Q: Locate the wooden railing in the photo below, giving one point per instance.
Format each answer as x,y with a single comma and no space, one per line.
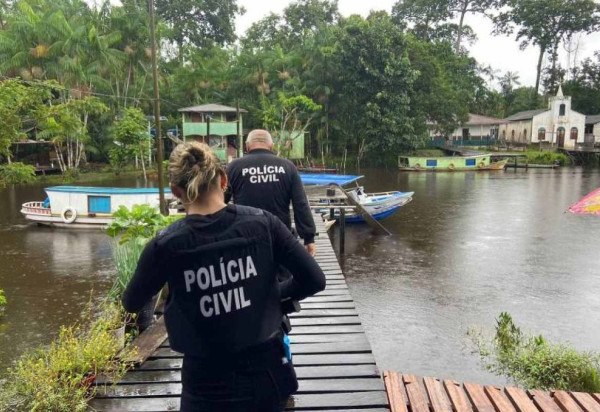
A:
35,207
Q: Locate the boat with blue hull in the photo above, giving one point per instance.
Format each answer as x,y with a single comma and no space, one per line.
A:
379,205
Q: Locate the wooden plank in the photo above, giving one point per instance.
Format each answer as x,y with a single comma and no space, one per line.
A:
499,400
417,398
586,401
318,329
303,372
457,396
300,401
308,313
340,337
393,383
566,402
361,346
147,342
338,298
338,320
327,305
309,359
543,401
520,399
437,395
305,386
478,397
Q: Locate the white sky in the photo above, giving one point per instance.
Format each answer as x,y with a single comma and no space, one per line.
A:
500,52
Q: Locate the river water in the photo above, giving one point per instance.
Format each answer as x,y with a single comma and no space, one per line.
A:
468,247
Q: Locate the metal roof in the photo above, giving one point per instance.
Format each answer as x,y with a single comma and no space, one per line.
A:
477,120
593,119
528,114
211,108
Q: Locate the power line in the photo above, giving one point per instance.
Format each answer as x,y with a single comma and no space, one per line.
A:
66,89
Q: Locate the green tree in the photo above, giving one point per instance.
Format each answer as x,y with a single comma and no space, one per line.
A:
64,123
547,23
17,101
376,86
199,22
131,137
584,86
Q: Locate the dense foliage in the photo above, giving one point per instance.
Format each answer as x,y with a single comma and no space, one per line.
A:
365,86
16,173
60,377
536,363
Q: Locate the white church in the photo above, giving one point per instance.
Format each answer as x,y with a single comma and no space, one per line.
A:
558,125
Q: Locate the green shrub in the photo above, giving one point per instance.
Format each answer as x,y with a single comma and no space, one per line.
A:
17,173
535,363
142,221
126,256
58,378
546,157
2,302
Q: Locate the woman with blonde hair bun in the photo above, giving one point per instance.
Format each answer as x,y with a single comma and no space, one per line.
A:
223,311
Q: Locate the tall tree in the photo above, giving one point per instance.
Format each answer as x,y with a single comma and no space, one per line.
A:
547,23
461,8
376,85
199,22
425,15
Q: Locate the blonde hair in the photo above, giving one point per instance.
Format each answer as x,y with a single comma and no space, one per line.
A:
194,167
259,136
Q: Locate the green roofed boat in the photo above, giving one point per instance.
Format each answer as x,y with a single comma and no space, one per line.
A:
450,163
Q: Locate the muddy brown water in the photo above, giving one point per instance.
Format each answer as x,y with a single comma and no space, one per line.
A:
469,246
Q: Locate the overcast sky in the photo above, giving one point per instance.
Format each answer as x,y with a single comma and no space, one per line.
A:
500,52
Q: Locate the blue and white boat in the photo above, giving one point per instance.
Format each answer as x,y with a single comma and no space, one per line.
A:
86,207
379,205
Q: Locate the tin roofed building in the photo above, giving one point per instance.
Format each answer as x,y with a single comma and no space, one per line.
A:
557,125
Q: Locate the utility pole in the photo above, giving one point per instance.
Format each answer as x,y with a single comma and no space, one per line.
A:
159,145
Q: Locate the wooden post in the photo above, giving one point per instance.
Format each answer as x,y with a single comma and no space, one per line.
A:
240,143
159,145
208,130
331,213
342,230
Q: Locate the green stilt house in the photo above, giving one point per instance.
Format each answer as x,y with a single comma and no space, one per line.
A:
216,125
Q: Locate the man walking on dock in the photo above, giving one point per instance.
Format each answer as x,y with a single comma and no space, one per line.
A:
263,180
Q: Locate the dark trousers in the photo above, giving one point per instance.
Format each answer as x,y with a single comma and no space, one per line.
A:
259,380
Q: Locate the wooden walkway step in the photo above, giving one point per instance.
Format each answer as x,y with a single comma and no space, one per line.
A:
333,359
415,394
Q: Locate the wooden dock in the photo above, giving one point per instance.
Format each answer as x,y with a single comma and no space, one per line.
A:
415,394
333,359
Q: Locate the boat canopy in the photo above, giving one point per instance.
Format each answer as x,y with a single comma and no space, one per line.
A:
96,190
326,179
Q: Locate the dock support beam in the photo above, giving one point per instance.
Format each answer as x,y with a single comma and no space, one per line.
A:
342,231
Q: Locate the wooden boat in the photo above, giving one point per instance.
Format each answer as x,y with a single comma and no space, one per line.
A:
85,207
450,163
379,205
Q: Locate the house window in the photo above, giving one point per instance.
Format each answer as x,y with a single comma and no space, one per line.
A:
562,110
574,133
512,135
525,134
469,162
431,162
541,133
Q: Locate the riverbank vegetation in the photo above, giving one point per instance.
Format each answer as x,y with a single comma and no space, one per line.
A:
534,362
60,377
16,173
365,86
3,302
